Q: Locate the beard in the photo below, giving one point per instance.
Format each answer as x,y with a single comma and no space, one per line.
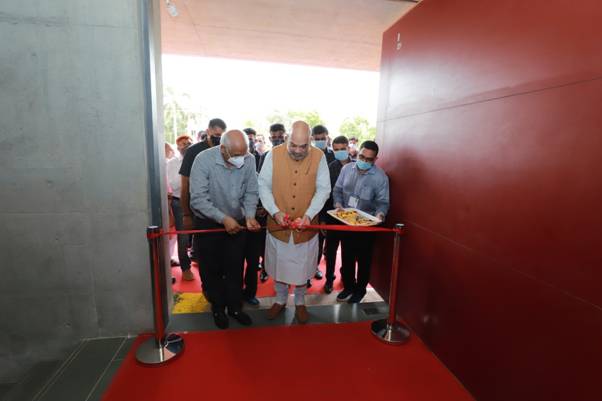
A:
297,156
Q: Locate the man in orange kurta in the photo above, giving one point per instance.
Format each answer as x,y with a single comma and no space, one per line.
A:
294,183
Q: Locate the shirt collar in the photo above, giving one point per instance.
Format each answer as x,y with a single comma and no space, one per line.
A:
219,159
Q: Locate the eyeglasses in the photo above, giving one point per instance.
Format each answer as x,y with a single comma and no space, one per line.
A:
366,159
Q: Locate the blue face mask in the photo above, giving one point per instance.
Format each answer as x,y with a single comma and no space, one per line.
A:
320,144
362,165
341,155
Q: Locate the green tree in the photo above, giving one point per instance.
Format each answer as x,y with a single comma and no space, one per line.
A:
178,114
175,121
358,127
252,124
313,118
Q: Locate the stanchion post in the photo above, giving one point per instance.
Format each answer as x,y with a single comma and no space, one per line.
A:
161,347
389,330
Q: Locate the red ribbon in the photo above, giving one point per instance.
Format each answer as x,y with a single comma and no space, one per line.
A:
290,226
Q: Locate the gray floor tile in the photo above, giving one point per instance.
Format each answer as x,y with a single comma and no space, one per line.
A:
125,348
79,378
105,380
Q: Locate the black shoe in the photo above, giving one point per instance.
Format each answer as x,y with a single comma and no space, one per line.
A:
221,320
357,297
328,287
241,317
308,284
318,275
252,301
263,276
343,295
174,262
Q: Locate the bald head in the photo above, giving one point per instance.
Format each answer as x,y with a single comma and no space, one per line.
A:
235,142
300,132
298,140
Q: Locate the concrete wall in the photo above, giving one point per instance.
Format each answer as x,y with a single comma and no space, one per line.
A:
74,198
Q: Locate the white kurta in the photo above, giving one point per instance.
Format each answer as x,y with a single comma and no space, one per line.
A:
289,262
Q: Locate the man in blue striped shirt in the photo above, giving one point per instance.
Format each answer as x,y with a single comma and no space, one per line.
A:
363,186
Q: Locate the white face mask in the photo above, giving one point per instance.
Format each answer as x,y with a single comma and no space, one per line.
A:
237,161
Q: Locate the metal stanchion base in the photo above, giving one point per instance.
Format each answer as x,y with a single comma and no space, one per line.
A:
149,352
395,334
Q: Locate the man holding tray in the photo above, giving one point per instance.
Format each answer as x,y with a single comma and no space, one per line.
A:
294,184
363,186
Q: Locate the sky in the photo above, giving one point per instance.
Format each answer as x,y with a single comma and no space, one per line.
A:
240,90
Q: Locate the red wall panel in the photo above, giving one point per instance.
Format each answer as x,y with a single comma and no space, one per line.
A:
490,121
460,51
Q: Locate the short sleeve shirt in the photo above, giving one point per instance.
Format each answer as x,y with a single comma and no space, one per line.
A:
191,154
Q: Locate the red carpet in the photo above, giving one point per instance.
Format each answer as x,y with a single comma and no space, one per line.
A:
314,362
263,290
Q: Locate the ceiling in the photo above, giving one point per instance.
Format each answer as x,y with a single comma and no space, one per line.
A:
330,33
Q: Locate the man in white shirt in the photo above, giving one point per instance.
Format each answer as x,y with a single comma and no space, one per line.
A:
175,185
294,184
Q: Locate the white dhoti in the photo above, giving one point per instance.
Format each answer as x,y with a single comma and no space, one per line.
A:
291,263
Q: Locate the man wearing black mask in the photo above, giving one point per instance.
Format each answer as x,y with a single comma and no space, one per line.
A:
214,133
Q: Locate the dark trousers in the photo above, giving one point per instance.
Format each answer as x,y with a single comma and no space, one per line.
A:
252,253
357,248
321,239
221,264
333,239
183,239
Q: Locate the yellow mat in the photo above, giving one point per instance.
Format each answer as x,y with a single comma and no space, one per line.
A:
190,302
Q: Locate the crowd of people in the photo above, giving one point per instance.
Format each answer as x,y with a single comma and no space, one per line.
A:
264,198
